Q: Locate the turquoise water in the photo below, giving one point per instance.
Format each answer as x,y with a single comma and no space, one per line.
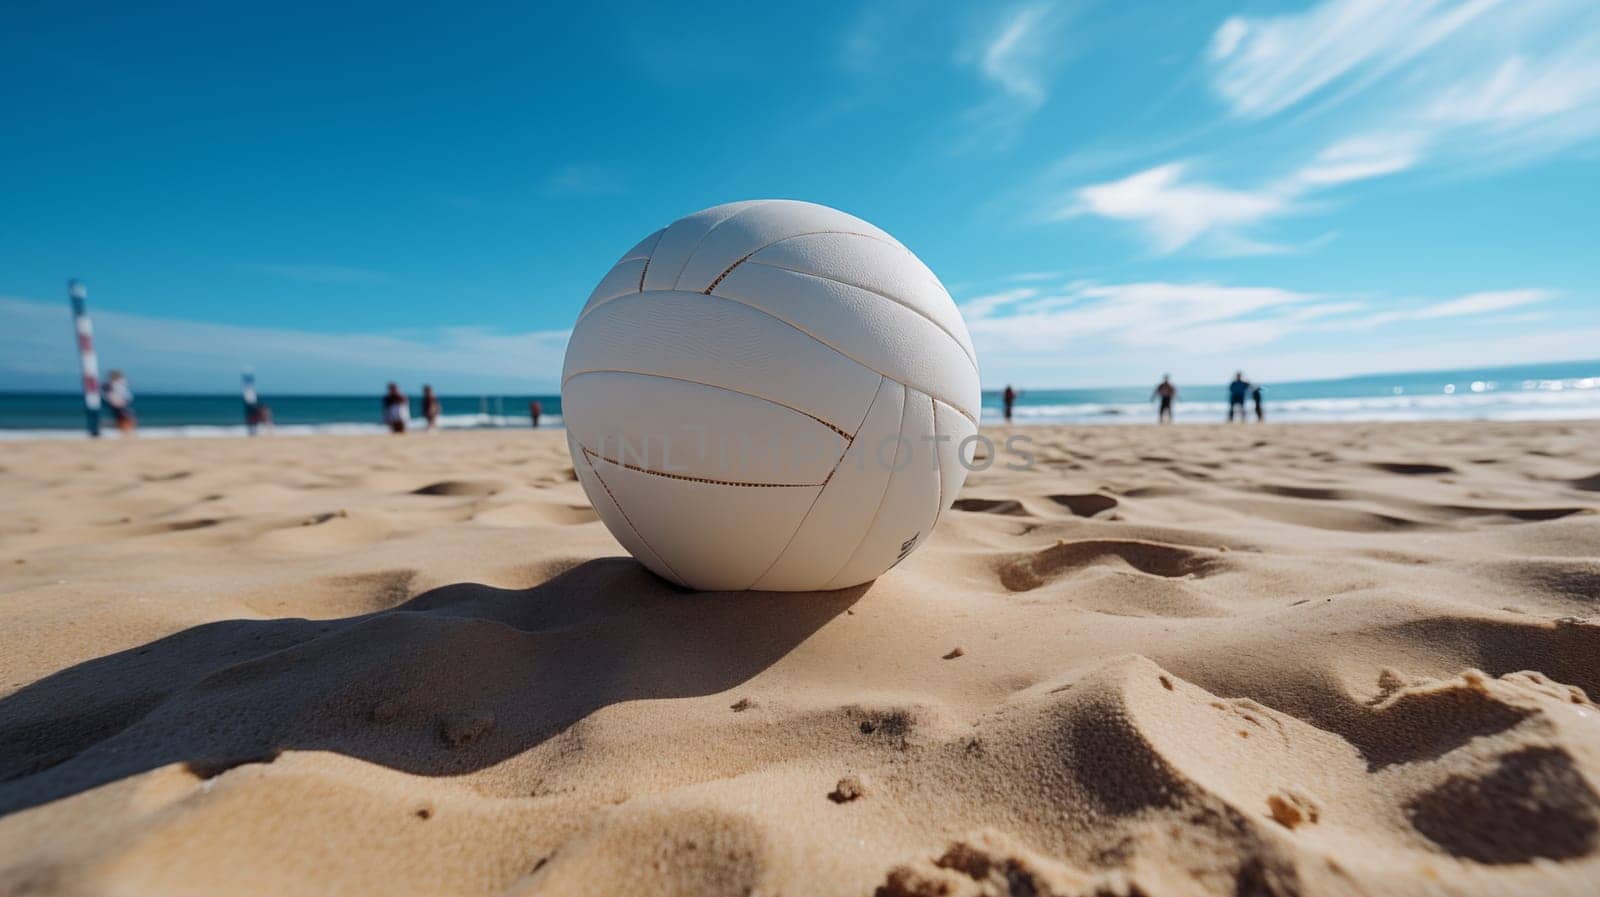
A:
1567,390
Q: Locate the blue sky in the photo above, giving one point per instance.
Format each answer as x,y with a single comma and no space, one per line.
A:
338,195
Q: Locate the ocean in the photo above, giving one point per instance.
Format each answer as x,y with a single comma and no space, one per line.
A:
1564,390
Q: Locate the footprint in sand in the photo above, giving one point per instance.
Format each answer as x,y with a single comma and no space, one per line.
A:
1410,469
459,487
1022,574
1006,506
1086,504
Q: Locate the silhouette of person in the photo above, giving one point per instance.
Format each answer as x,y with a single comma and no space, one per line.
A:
430,407
1255,396
396,409
1166,392
1008,399
534,410
118,397
1237,391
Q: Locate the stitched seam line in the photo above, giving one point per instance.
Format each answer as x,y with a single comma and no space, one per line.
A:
885,296
826,480
576,374
626,519
679,476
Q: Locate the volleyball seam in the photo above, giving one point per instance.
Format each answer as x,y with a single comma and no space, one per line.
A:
739,392
692,479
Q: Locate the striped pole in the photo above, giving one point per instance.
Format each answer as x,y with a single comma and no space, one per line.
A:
86,360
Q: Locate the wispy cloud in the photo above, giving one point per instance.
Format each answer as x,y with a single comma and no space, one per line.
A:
1464,306
1175,210
1265,65
1161,320
1473,83
582,180
1016,60
1134,315
168,353
1359,158
322,274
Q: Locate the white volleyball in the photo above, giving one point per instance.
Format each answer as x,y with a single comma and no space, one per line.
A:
770,395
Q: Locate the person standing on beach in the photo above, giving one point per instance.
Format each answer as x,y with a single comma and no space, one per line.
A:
1255,396
430,407
1237,390
1008,399
396,409
534,410
1166,392
118,398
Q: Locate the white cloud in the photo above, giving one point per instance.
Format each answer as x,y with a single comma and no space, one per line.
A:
1012,59
1095,328
1017,59
1266,65
984,306
1175,211
174,354
1470,82
1359,158
1479,303
1139,315
1472,304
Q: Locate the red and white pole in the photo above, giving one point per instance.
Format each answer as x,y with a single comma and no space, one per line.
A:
86,359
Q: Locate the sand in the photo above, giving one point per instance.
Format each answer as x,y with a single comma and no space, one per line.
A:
1196,660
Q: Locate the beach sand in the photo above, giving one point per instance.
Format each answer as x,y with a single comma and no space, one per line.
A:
1346,659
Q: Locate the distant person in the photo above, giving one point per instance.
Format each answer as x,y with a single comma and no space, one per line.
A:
430,407
1255,396
118,398
534,410
396,409
1008,400
252,402
1166,392
1237,391
258,415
